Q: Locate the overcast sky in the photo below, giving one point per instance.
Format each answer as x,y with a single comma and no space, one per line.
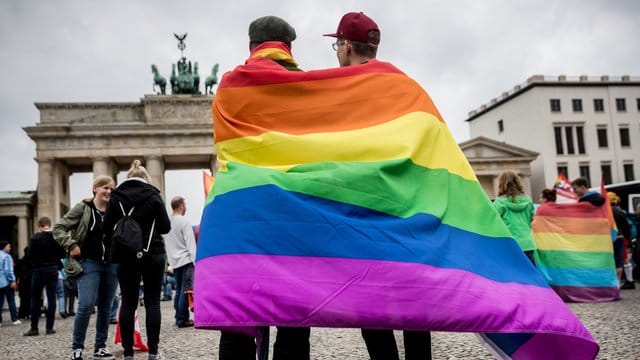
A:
462,52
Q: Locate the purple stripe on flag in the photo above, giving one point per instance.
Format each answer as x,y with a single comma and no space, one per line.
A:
587,293
263,290
553,346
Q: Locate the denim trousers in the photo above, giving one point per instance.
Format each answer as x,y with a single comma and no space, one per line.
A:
11,302
180,301
96,285
46,278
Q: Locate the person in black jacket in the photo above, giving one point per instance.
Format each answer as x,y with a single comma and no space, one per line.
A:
150,213
46,255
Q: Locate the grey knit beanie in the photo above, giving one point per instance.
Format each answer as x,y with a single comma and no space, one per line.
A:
271,28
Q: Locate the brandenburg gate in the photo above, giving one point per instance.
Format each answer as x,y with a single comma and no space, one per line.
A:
166,132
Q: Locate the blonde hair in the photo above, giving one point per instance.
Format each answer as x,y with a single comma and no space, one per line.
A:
509,185
137,170
100,181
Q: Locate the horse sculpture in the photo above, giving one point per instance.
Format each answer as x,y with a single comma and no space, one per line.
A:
211,80
158,80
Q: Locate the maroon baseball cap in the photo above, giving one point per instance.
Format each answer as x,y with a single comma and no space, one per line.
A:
358,27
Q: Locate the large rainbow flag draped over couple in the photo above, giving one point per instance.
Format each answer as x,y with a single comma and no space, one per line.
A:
575,252
344,201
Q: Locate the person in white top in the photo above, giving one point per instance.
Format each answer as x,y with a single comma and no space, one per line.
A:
180,244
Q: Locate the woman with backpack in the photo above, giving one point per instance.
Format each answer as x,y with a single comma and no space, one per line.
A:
134,222
80,232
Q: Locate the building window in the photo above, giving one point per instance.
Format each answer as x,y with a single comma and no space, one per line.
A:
621,104
584,172
555,105
605,169
557,130
598,105
624,137
568,132
563,169
500,126
628,172
580,138
602,138
577,105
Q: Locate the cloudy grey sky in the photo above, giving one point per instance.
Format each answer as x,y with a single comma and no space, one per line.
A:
462,52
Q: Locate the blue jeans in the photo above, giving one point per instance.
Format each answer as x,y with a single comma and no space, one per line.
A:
96,285
60,296
47,279
11,301
180,301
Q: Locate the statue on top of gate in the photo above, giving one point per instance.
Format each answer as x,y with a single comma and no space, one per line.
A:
185,78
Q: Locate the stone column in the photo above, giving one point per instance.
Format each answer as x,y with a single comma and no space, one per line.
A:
105,166
155,167
214,165
62,197
526,185
46,190
496,184
23,234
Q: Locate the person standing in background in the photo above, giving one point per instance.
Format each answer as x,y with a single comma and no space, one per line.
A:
516,210
181,255
46,255
142,201
80,232
8,282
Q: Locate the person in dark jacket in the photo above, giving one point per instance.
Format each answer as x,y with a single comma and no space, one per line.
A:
150,213
24,273
46,255
80,232
619,248
581,188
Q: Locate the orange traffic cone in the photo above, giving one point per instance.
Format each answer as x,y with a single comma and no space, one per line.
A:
137,336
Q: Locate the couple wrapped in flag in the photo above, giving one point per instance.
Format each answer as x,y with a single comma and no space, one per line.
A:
342,200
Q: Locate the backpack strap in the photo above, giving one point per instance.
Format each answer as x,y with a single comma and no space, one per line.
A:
153,225
123,212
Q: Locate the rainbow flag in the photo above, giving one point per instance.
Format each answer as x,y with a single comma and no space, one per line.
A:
343,201
575,253
613,227
207,181
564,190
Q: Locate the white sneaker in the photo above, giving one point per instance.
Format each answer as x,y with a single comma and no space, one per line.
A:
17,322
76,354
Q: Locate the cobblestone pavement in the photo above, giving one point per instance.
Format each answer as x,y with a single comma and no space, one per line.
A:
615,325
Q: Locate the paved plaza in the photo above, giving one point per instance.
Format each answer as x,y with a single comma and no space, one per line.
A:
615,325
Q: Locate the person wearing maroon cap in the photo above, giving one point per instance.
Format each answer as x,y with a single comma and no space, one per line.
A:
358,37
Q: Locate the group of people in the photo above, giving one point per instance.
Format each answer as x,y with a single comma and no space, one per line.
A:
85,233
83,239
517,210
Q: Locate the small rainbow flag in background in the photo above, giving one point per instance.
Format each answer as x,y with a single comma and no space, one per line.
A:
564,190
343,201
575,253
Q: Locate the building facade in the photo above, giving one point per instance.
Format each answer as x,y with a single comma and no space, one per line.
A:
581,126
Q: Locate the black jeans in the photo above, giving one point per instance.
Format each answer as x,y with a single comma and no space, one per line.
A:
381,344
290,344
151,269
43,278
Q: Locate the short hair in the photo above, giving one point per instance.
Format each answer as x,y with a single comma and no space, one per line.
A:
137,170
509,184
100,181
271,28
176,202
581,181
44,222
364,49
549,194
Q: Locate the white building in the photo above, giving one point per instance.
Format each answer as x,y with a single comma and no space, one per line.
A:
580,126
